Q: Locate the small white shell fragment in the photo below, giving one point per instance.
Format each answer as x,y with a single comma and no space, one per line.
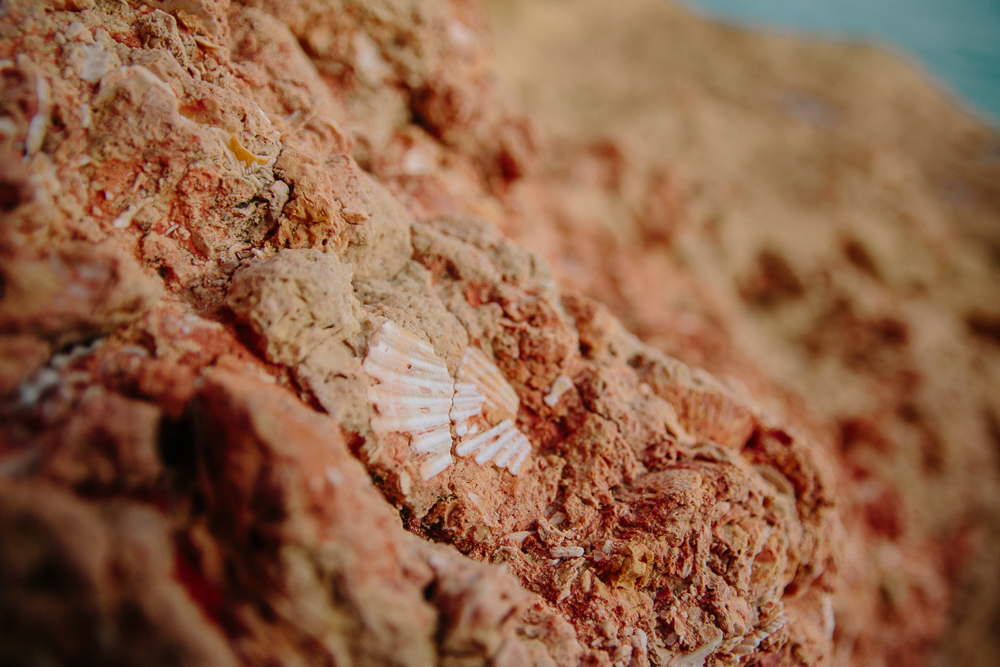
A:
622,656
404,483
503,444
829,619
477,369
566,552
334,476
414,394
520,536
697,657
559,387
125,219
753,640
40,121
74,29
95,62
370,65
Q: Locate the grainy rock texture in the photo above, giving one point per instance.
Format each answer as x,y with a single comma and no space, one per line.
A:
210,211
843,217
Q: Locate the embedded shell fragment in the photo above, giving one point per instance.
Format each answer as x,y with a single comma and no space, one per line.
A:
413,396
477,369
229,224
468,403
503,444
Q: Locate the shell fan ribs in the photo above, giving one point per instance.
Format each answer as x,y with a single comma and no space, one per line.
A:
503,444
413,396
477,369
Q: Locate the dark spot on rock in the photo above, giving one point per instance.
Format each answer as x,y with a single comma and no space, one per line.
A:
984,325
11,195
773,282
891,331
176,444
858,433
859,257
884,515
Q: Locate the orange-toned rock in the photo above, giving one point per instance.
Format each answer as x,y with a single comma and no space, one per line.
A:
216,208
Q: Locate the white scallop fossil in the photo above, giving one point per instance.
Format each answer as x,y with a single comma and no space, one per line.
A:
413,396
468,403
754,639
476,368
503,444
416,395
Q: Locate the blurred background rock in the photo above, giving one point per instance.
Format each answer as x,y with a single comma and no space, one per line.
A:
842,209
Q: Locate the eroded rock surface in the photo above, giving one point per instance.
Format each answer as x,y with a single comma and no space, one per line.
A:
210,210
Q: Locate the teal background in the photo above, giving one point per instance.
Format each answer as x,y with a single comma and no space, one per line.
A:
958,41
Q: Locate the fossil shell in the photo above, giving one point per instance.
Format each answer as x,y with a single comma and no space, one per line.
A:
468,403
476,368
416,395
503,444
754,639
413,396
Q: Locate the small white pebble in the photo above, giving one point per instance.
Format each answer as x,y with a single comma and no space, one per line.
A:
559,387
334,476
125,219
40,121
31,391
96,62
405,483
74,29
622,656
566,552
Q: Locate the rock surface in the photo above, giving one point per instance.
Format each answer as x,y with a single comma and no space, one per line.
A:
209,211
841,214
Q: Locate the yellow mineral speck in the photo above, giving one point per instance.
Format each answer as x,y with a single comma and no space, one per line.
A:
242,154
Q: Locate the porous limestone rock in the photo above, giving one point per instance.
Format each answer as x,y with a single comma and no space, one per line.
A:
214,209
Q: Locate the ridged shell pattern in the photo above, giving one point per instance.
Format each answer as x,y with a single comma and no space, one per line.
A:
413,395
468,403
477,369
754,639
503,444
416,395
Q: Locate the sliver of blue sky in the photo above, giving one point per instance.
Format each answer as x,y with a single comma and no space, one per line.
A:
958,41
